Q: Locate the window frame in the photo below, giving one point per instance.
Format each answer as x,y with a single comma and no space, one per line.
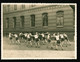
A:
14,24
22,23
7,22
73,18
60,16
15,7
8,8
23,6
31,20
43,21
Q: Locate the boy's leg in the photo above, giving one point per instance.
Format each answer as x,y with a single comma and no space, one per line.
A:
68,42
61,46
38,44
18,41
56,45
31,43
27,43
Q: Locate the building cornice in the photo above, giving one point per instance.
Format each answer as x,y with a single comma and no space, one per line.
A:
28,9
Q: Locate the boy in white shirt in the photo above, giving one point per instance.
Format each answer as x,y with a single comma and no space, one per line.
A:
66,39
58,42
61,37
29,43
11,37
17,39
37,40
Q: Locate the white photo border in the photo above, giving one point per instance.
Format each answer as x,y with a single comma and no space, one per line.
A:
37,57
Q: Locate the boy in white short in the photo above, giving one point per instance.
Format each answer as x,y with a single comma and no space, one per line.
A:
58,42
66,39
16,38
11,37
29,43
37,40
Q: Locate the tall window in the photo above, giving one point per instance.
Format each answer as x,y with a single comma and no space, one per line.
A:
60,18
73,18
8,7
22,21
23,6
32,20
7,22
14,22
15,7
45,19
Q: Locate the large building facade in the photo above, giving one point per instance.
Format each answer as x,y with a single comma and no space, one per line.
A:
28,18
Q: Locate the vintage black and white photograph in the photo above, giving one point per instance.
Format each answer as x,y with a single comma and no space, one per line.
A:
39,30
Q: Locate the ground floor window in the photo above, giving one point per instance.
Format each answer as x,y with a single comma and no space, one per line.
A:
73,18
45,19
14,22
7,22
22,22
60,18
32,20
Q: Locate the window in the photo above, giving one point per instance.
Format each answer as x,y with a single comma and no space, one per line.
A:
14,22
22,21
45,19
7,22
32,20
60,18
33,5
8,7
23,6
15,7
73,18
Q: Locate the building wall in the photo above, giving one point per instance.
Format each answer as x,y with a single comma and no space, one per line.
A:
51,10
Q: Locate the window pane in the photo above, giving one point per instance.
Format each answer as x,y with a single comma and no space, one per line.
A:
23,6
22,21
45,19
14,19
15,7
60,15
73,18
7,23
8,7
32,20
62,21
59,21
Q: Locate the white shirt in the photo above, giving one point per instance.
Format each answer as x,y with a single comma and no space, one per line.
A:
20,33
28,36
61,36
57,37
9,35
36,36
42,35
53,35
48,37
65,35
25,35
16,35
